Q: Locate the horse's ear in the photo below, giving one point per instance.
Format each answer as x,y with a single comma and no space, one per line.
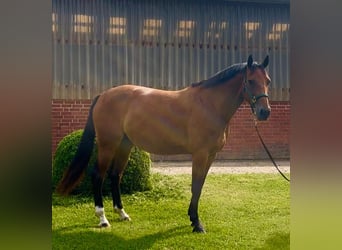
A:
250,61
265,62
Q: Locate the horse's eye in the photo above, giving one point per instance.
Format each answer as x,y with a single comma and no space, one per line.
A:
251,82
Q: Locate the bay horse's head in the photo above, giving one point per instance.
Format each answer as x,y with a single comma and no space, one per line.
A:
256,82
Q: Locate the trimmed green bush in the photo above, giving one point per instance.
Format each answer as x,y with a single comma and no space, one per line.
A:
135,178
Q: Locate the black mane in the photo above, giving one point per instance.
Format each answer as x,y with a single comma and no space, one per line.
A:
223,75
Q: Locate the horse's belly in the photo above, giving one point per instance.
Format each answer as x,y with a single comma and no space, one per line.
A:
157,137
157,145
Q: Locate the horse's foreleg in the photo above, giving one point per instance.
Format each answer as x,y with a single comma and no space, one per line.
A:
98,175
200,166
119,164
196,187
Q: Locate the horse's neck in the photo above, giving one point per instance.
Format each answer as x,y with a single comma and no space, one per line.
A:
227,97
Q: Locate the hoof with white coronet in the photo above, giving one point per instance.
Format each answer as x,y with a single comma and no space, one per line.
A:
99,212
104,224
122,214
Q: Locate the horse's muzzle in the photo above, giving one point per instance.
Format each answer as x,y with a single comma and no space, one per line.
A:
263,114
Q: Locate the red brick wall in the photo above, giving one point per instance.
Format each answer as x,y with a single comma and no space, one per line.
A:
243,143
67,116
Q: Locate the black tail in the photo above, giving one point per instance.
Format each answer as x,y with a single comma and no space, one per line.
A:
75,171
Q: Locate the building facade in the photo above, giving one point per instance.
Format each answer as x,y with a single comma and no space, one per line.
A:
98,44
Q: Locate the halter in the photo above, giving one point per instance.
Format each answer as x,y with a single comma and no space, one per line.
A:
253,98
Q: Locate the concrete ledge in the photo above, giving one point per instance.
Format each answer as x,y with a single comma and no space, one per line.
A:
220,167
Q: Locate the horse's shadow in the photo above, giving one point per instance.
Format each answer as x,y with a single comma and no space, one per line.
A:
106,238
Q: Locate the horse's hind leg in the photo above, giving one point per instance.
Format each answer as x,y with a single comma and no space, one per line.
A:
105,157
119,164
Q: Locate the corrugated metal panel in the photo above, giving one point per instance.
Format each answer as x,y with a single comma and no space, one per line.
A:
163,44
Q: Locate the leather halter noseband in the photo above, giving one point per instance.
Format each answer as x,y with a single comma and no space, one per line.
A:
252,98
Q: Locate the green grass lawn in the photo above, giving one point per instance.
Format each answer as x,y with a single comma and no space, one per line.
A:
245,211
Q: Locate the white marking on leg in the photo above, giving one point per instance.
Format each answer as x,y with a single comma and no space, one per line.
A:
99,212
122,214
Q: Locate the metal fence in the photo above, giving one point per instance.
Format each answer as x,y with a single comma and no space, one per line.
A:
98,44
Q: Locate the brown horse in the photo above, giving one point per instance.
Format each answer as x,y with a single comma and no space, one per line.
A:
194,120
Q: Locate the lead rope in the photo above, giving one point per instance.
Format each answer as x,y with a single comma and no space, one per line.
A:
268,152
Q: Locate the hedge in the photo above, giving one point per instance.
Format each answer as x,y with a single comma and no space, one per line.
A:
135,178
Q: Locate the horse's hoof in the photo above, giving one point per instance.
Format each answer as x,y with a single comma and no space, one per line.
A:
104,225
198,228
125,218
122,214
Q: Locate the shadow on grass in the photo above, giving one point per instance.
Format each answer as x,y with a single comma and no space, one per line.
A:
279,241
108,239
